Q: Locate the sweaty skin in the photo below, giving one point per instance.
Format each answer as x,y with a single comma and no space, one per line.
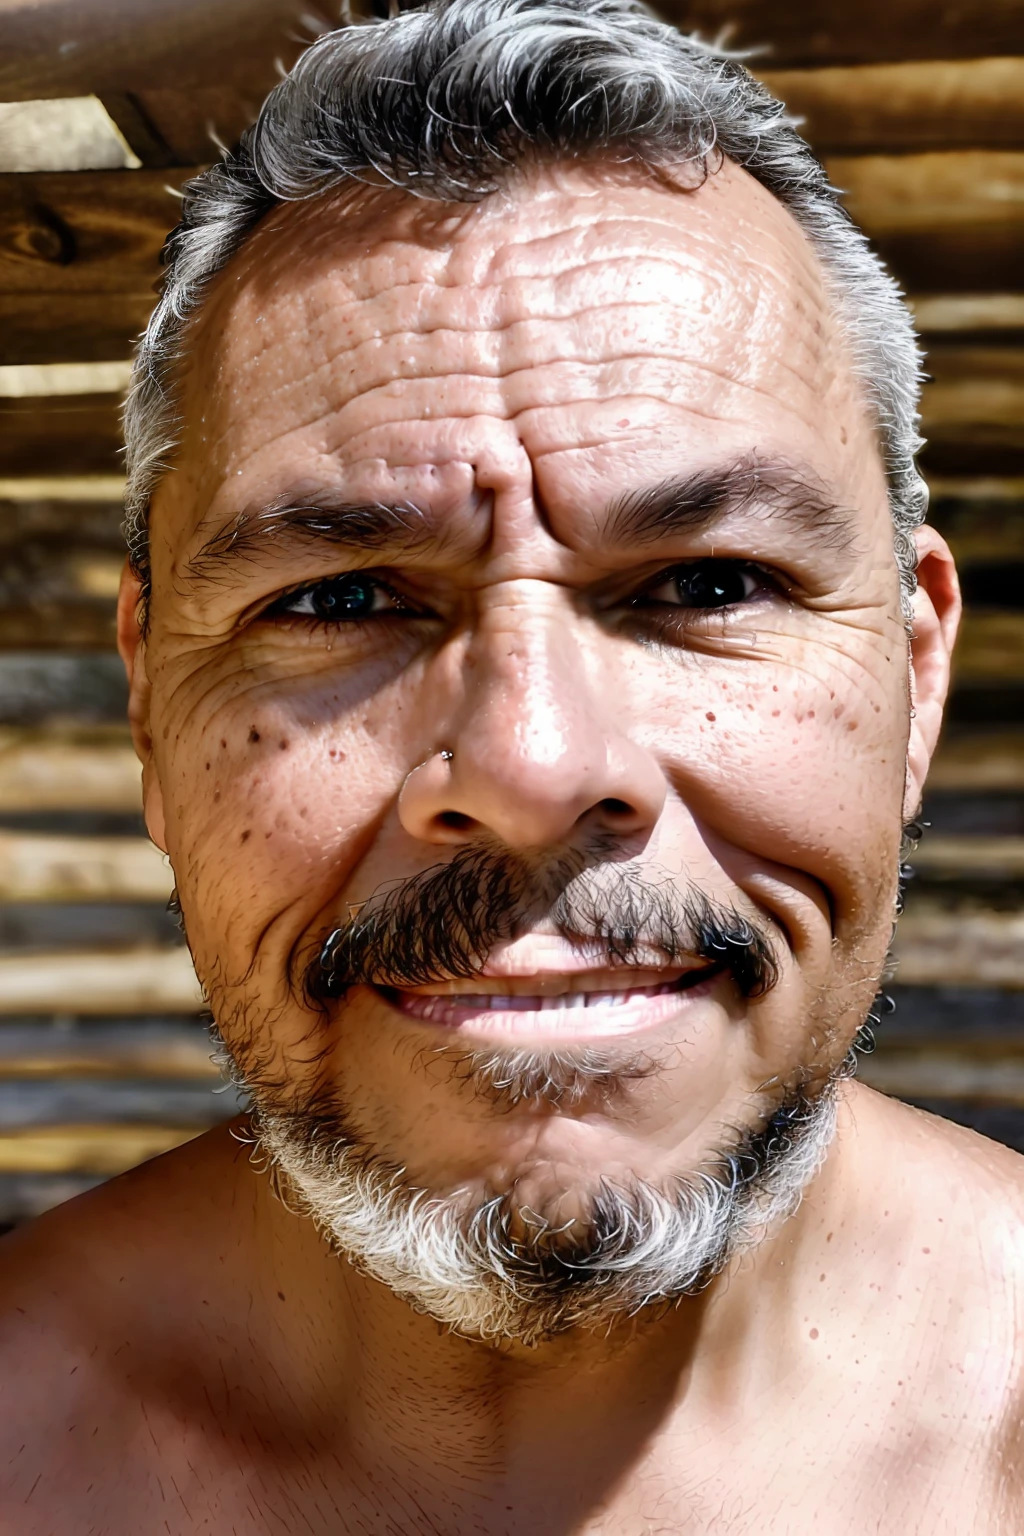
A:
180,1352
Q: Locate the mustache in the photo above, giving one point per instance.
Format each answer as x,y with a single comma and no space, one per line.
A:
441,924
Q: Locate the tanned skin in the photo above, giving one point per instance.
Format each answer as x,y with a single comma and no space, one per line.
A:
181,1353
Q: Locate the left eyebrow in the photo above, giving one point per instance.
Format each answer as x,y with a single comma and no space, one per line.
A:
290,523
693,504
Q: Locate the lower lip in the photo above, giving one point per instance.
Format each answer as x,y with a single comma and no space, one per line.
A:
632,1012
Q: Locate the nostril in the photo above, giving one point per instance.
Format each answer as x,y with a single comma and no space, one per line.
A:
455,821
613,807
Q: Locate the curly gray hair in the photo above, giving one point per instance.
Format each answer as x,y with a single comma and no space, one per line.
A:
445,102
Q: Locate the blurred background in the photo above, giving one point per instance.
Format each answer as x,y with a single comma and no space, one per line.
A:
106,107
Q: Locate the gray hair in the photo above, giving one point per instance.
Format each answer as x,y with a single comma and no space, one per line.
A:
445,102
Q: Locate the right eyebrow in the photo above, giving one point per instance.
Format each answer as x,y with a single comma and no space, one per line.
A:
291,523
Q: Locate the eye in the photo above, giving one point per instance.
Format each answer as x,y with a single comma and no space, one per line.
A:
337,599
706,584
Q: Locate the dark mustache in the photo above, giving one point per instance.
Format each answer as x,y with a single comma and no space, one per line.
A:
442,924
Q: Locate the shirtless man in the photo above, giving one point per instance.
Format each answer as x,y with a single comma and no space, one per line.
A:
530,692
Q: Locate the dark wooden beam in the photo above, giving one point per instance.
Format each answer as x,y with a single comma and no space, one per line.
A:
816,32
89,47
881,108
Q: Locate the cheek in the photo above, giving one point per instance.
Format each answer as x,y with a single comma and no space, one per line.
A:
268,810
798,759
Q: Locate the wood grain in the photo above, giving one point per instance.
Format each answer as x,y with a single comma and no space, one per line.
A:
63,769
960,947
81,433
170,1049
820,32
86,47
106,1149
919,104
88,982
37,866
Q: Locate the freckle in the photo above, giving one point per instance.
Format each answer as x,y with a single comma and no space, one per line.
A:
246,835
830,1237
814,1333
710,716
207,767
267,835
283,745
926,1250
851,725
167,732
776,713
254,734
280,1295
821,1277
810,714
775,687
216,796
842,434
223,743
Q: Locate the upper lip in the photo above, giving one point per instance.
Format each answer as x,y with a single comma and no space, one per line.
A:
541,964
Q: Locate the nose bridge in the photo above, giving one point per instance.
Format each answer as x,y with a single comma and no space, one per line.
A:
534,745
528,693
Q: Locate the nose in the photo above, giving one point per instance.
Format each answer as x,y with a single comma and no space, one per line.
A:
536,748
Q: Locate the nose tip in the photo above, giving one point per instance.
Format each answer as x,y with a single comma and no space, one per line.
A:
453,798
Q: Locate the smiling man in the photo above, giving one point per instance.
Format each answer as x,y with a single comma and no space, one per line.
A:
535,654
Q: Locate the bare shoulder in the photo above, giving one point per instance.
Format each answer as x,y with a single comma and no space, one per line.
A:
82,1287
946,1205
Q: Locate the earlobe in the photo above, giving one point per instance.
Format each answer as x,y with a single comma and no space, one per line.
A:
936,619
131,645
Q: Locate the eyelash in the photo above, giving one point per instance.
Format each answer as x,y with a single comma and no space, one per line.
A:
366,586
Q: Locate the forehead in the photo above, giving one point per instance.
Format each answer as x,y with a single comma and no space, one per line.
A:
597,323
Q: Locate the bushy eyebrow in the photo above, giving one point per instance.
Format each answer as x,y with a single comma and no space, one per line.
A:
674,508
694,503
359,527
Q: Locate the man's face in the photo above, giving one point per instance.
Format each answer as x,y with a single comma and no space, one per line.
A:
552,530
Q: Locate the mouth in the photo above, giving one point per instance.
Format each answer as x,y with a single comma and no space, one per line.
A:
565,1004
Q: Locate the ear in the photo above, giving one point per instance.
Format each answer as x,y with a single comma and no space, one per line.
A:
131,644
936,619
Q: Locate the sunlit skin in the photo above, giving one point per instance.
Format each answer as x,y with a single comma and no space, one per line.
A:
522,670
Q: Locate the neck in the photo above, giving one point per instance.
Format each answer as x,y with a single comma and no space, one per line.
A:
413,1398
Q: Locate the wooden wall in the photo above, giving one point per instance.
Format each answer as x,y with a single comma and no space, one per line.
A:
918,110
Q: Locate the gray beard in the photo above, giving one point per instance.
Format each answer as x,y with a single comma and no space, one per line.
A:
497,1270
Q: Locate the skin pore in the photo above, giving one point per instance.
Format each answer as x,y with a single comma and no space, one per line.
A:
552,524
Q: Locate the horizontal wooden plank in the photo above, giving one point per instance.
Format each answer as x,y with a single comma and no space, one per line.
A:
39,867
996,858
932,192
87,982
24,1196
945,1074
81,433
171,1048
983,761
67,770
990,648
922,104
38,686
84,232
49,327
960,947
80,47
818,32
106,1149
50,1102
84,490
175,127
944,313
